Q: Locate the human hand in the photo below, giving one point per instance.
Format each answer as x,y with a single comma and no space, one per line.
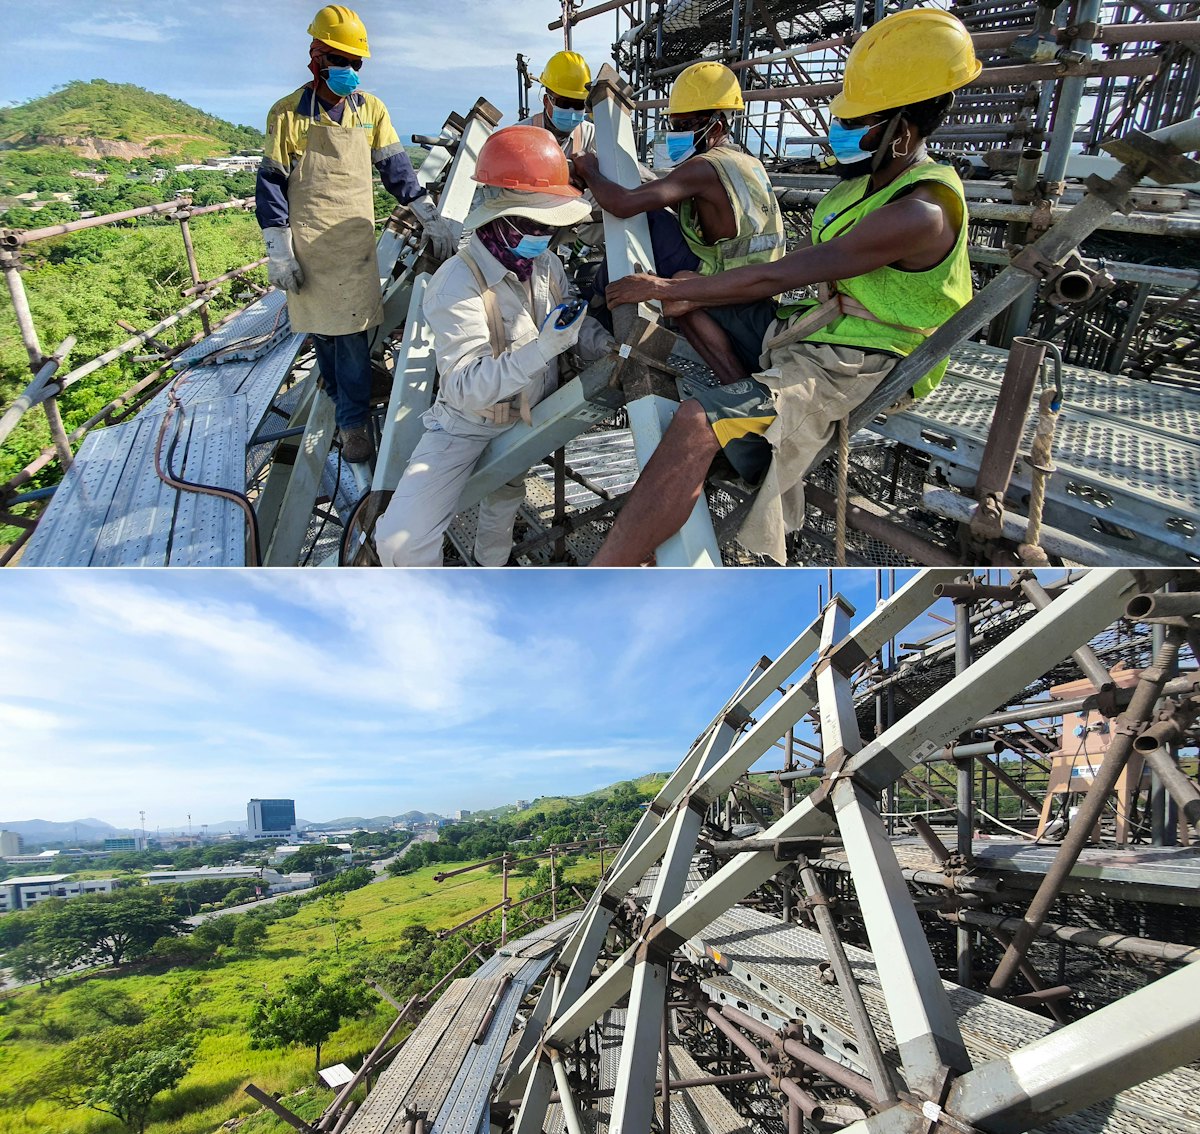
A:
586,166
553,339
439,231
283,269
637,288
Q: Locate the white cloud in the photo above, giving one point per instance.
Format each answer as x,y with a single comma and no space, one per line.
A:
127,26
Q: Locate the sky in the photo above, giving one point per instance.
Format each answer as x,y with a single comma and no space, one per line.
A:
234,59
369,693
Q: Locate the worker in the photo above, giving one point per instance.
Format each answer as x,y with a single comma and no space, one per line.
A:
494,310
565,80
889,250
728,215
315,205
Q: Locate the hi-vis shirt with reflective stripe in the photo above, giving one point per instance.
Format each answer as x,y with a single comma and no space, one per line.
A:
290,117
760,237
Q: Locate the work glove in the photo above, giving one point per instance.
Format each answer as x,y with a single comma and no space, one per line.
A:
440,231
553,339
283,269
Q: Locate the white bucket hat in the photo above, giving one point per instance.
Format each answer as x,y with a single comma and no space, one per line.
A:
545,208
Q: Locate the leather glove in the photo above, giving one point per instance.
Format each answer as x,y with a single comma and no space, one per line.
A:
552,339
283,269
440,231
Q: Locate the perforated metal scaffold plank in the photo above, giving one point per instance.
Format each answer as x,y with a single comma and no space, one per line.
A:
699,1110
782,965
112,509
1128,452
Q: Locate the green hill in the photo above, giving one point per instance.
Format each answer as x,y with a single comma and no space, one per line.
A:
100,119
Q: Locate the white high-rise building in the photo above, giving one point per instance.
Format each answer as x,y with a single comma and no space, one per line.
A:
270,818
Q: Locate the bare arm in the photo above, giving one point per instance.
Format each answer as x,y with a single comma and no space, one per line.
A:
897,233
691,179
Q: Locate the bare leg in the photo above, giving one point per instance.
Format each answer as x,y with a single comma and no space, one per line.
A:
711,343
709,340
666,491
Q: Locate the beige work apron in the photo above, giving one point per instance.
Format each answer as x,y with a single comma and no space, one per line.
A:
332,217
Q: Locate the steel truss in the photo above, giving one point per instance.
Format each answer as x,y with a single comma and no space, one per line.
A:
905,1067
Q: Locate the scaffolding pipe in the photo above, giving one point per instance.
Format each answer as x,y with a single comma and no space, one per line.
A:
35,392
1076,935
1146,695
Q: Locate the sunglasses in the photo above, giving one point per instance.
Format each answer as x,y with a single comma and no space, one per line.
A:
342,61
568,103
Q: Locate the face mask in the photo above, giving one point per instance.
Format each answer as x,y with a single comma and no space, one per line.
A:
681,144
531,247
565,120
341,80
845,143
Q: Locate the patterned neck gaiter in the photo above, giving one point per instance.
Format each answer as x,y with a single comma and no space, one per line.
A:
492,235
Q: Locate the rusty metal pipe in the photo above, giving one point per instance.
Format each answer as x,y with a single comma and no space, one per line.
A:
1141,706
1076,935
1025,359
1164,604
858,517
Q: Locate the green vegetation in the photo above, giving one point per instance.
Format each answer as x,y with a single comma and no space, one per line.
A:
612,812
394,942
122,112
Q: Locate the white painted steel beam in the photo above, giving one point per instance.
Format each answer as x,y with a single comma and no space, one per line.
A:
1143,1035
627,250
923,1021
301,492
1071,620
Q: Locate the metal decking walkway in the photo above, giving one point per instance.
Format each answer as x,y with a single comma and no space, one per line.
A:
111,508
441,1071
1128,452
775,971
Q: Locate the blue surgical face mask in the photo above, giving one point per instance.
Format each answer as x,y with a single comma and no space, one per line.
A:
845,143
565,120
681,144
342,80
531,247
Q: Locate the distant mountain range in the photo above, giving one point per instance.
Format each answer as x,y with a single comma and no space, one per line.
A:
83,831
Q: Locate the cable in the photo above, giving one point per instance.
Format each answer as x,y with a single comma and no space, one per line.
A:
175,414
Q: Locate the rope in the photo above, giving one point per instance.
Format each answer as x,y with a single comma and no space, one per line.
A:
843,480
999,823
1041,461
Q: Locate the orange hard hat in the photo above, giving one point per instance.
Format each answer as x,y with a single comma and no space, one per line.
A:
525,157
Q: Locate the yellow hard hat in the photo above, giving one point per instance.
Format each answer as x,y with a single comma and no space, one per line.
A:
567,74
705,86
341,29
908,57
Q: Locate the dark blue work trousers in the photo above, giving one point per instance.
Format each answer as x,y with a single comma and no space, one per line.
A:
345,364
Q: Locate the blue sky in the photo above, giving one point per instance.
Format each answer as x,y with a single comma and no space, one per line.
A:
368,693
234,59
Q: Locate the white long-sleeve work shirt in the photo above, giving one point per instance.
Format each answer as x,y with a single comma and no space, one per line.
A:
470,379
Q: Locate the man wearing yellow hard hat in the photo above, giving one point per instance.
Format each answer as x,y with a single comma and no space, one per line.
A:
315,204
728,216
889,251
565,80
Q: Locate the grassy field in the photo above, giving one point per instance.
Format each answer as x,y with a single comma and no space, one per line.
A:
212,1091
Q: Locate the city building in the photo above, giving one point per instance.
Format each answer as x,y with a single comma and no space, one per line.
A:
24,893
271,819
41,857
462,814
125,843
265,879
10,843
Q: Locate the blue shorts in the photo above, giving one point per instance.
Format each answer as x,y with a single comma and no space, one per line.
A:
739,413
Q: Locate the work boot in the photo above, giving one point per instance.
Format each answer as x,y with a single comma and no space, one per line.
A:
356,444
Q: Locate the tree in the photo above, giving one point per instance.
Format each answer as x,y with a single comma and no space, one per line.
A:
308,1011
116,927
130,1087
313,857
119,1070
250,935
340,926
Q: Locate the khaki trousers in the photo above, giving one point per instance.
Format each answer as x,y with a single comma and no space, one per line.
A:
814,385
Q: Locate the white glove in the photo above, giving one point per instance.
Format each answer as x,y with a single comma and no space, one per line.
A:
440,231
283,269
552,340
